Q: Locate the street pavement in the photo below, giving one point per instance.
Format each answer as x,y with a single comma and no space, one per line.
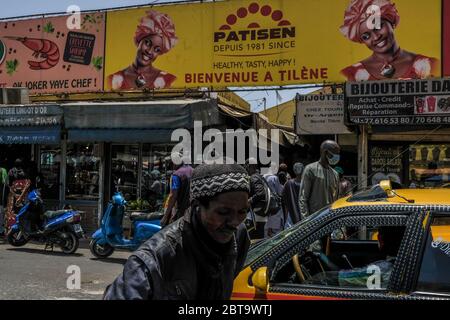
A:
29,272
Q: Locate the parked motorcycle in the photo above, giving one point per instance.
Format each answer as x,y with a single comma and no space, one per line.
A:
61,227
110,235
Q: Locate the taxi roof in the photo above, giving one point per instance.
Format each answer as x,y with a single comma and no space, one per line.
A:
420,197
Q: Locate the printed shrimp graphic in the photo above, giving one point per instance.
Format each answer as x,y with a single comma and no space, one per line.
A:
42,48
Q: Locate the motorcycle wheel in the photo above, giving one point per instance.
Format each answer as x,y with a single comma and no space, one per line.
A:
100,251
16,238
71,242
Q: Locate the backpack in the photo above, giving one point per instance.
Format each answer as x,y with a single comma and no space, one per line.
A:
272,203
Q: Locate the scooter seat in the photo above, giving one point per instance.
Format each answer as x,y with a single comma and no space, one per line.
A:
143,216
54,214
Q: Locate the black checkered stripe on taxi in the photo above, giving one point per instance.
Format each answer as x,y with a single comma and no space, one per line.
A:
408,253
342,294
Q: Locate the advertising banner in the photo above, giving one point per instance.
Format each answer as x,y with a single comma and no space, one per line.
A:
399,103
45,56
446,37
271,42
320,114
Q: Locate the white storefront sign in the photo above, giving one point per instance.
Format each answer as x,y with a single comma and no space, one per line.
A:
320,114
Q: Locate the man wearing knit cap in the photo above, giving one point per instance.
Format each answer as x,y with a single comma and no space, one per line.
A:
199,255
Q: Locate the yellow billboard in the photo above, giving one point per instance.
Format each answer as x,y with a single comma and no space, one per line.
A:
271,42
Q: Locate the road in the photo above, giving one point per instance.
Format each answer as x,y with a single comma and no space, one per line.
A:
31,273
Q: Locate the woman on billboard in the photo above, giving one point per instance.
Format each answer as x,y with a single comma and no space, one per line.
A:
155,35
388,60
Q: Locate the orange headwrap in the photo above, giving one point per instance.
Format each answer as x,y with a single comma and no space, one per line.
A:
156,23
359,11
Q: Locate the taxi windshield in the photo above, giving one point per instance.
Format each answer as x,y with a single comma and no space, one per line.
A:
268,244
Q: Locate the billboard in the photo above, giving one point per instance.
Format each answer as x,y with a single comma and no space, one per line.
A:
446,37
399,103
45,56
320,114
270,42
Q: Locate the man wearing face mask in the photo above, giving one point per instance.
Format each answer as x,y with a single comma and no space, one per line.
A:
320,182
199,255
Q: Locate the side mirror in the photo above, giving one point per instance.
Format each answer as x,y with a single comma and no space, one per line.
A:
260,280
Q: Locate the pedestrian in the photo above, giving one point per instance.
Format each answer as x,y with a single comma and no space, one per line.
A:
275,222
345,186
178,201
320,182
291,192
19,185
257,199
199,255
283,174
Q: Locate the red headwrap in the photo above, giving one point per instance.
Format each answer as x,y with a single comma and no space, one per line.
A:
359,11
156,23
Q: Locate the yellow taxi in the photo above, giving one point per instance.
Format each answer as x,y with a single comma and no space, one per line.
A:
377,244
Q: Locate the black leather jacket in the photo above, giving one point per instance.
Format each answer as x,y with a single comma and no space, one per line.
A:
177,264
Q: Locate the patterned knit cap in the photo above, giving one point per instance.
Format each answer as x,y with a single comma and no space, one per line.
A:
209,180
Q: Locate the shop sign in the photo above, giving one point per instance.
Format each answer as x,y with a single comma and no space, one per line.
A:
45,56
320,114
385,164
269,42
30,116
398,103
28,139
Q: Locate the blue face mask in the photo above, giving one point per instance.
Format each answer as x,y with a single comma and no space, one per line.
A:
333,159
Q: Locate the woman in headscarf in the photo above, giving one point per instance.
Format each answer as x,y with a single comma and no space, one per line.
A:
388,60
155,35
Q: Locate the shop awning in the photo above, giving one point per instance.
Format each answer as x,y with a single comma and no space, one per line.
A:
149,121
167,114
120,135
30,135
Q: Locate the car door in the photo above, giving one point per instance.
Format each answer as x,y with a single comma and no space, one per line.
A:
432,271
283,286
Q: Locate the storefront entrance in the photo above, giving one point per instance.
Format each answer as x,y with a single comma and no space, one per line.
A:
411,165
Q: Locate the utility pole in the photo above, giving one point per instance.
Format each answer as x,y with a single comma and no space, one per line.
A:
264,102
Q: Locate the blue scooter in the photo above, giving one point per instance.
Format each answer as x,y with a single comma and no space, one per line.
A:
60,227
110,235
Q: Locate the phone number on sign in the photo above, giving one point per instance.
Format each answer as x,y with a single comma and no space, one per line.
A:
401,120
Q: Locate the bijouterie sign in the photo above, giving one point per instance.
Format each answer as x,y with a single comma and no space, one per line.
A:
397,103
36,115
320,114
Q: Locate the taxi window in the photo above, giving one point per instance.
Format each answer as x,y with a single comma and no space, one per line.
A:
434,273
268,244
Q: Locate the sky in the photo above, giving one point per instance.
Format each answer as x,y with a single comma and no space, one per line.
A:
17,8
